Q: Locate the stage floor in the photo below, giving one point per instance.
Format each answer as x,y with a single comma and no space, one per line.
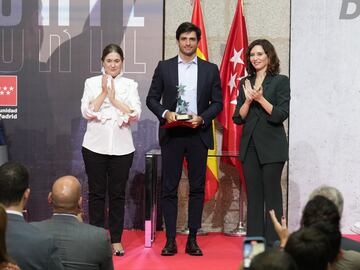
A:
220,253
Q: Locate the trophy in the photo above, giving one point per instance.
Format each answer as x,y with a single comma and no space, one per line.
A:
181,105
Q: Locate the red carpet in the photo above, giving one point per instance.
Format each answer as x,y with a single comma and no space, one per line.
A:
220,252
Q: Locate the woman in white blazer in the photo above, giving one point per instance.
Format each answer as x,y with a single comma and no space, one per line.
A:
110,104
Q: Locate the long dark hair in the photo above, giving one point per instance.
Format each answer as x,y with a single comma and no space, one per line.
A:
112,48
274,62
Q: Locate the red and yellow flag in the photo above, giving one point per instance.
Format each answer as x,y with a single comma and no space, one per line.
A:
212,180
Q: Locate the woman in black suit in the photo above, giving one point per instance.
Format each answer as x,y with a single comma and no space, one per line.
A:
262,107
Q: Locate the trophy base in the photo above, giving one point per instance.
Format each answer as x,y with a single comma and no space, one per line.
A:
183,117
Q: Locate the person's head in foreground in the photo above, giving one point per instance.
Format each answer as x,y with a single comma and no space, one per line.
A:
273,259
310,249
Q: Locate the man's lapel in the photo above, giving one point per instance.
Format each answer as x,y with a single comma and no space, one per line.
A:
174,72
174,80
201,78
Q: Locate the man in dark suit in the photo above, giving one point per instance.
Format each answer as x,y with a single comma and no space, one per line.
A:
27,245
185,84
81,246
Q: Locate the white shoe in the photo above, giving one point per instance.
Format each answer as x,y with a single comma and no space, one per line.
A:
356,227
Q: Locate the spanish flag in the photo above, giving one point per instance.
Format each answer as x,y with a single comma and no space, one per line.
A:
212,180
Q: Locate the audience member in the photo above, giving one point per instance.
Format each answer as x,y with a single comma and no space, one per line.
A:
5,261
309,248
323,214
273,259
27,245
334,195
81,246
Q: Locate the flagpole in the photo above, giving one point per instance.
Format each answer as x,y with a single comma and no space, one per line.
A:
240,229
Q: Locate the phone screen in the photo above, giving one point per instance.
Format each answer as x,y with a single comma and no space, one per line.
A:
252,247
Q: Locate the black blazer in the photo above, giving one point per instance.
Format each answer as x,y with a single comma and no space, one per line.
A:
267,131
209,96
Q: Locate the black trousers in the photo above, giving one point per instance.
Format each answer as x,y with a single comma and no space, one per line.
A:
263,188
184,142
107,173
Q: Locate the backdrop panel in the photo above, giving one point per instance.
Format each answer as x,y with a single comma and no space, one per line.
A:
324,117
47,50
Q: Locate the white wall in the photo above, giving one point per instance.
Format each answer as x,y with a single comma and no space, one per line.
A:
325,106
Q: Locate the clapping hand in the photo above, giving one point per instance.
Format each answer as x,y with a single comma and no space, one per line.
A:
248,90
252,93
111,90
104,87
257,93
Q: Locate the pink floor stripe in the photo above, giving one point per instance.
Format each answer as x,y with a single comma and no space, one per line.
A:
355,237
220,252
147,232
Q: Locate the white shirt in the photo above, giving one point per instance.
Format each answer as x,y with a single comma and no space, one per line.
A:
108,131
14,212
187,73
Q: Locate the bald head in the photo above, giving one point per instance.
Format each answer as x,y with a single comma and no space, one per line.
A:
65,195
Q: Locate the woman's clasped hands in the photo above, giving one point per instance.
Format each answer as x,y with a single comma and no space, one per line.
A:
252,93
106,89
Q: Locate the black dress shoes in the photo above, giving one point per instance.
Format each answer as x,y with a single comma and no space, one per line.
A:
170,248
119,252
192,247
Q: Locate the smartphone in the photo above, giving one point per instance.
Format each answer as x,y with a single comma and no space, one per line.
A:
251,247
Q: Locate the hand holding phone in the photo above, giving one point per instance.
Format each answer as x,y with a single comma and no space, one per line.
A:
251,247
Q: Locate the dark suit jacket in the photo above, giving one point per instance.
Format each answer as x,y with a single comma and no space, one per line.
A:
209,95
267,131
30,247
81,246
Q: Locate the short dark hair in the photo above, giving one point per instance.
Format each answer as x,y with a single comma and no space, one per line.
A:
320,209
274,62
187,27
273,259
112,48
309,248
14,180
322,214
